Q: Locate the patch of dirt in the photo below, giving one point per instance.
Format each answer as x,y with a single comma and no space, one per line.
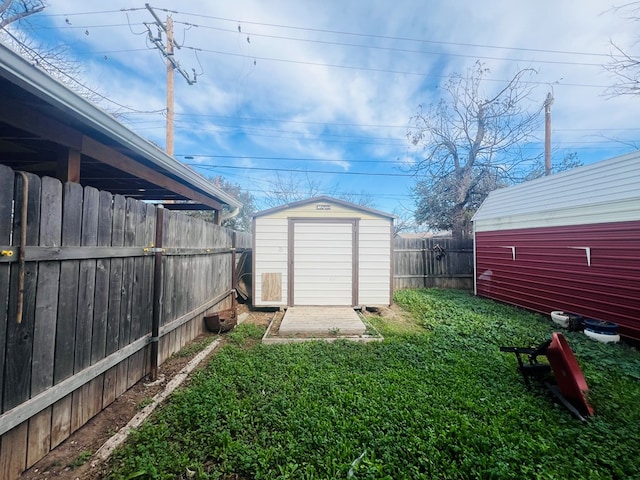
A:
69,460
394,316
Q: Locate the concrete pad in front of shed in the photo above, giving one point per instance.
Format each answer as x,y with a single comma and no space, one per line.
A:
320,319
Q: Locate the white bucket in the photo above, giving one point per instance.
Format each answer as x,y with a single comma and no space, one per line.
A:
602,337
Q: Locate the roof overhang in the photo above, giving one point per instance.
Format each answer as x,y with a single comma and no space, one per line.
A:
47,129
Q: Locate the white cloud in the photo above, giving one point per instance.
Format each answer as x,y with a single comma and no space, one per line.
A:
330,108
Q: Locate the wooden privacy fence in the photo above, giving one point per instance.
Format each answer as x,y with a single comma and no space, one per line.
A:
433,262
95,291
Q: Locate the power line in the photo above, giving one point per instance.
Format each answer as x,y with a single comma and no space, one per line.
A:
290,170
343,33
376,70
291,159
392,49
90,13
268,183
400,72
385,37
341,44
302,122
357,125
40,59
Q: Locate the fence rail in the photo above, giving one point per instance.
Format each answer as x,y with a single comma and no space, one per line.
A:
431,262
83,276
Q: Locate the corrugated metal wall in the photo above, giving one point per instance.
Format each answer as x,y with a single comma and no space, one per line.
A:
592,270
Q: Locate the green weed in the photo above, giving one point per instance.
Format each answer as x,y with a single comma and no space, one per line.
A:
144,402
194,347
245,334
441,402
80,459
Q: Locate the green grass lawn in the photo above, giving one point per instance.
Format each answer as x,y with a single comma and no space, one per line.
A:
435,400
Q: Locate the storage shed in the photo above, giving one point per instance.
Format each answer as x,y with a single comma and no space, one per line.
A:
322,251
569,242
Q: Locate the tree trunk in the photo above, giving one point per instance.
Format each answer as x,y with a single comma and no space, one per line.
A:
458,227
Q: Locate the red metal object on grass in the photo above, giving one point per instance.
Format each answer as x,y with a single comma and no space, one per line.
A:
567,383
568,374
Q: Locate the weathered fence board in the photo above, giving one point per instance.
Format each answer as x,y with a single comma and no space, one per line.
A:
46,316
110,390
67,308
68,294
47,290
87,281
103,268
6,220
13,453
21,317
80,403
433,262
83,335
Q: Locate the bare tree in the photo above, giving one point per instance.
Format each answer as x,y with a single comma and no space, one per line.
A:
569,161
624,65
285,189
291,188
56,60
362,198
472,144
15,10
404,221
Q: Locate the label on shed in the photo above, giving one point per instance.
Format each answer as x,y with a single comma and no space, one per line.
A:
323,206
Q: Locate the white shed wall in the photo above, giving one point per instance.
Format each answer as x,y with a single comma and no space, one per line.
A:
374,272
271,256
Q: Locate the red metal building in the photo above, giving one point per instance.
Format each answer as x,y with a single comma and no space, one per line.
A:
567,242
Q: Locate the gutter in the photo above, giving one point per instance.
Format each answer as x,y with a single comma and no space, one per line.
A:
231,214
32,79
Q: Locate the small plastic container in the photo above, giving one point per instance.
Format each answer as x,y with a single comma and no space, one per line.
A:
601,326
602,337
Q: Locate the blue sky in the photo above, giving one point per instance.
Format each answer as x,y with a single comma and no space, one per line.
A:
330,85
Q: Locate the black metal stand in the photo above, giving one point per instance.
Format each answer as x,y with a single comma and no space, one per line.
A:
533,368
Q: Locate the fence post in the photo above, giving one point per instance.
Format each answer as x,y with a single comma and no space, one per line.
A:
424,262
157,293
234,273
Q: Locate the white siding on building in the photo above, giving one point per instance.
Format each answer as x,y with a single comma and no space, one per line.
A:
271,250
374,273
323,264
324,256
607,191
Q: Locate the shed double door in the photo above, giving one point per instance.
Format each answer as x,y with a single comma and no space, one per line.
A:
323,267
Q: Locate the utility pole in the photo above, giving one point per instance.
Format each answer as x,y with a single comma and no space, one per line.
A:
547,133
170,98
167,51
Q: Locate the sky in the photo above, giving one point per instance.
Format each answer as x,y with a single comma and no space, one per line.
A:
323,91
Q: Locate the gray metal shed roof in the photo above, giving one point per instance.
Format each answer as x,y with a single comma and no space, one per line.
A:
26,143
613,180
